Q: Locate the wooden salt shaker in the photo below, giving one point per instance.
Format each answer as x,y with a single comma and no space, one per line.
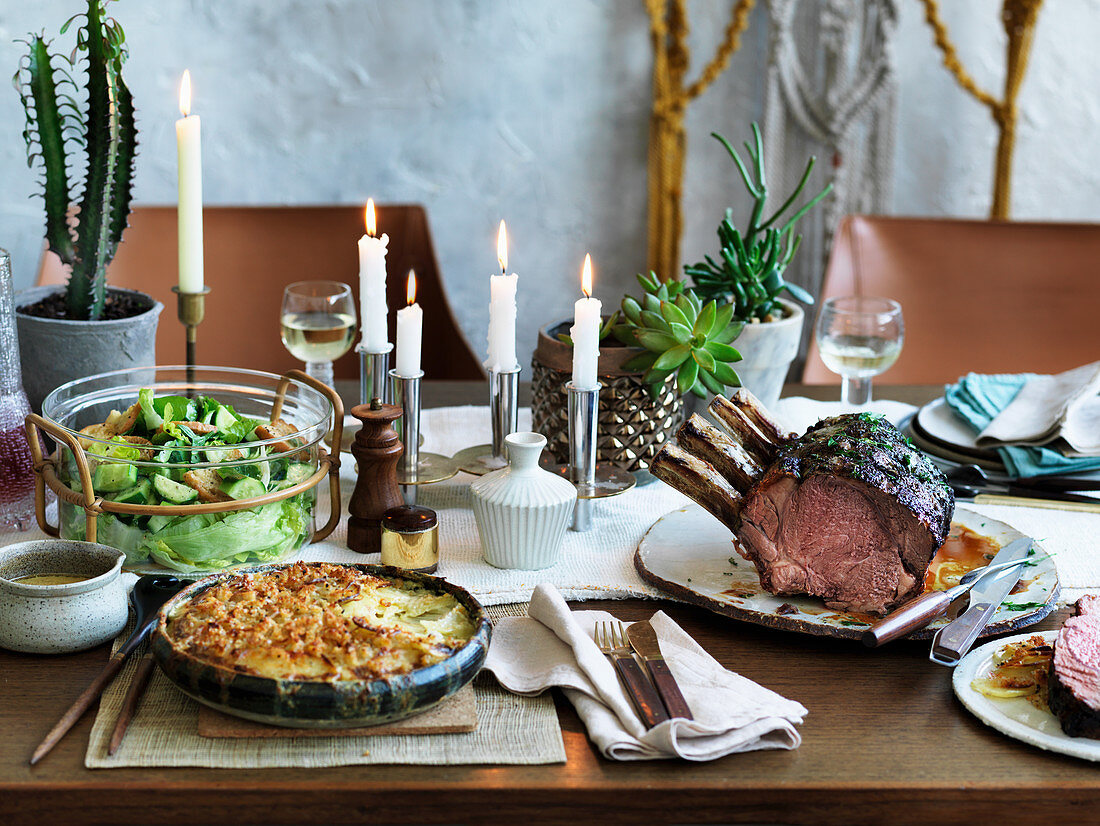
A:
377,450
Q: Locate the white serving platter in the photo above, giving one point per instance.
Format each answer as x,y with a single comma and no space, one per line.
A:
691,555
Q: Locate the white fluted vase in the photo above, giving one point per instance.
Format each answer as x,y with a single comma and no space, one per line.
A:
522,511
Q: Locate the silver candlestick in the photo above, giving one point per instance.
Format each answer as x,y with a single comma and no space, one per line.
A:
374,368
416,466
504,411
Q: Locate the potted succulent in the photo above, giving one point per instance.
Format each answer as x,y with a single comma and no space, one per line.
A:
96,329
750,274
653,351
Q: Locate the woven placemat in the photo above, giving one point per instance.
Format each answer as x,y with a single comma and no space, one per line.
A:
511,730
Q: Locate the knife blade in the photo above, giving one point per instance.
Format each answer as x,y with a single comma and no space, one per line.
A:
920,611
643,639
954,639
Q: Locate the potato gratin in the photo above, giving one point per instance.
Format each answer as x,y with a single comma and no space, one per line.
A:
319,622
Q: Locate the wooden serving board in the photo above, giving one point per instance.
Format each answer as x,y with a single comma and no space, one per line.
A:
691,555
455,715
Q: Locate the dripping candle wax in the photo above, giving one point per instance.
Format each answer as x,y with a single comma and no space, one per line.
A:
372,284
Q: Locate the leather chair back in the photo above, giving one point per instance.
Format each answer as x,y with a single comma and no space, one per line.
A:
977,296
251,253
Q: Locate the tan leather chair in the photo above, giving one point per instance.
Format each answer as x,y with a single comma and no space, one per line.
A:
252,253
977,296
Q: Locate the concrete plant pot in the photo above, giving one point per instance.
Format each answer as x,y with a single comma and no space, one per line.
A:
56,351
767,350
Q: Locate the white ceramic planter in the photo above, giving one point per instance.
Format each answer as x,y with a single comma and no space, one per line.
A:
767,351
522,511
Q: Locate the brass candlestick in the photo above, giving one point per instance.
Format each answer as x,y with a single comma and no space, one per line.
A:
190,309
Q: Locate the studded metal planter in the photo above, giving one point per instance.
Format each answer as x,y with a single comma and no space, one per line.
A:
633,426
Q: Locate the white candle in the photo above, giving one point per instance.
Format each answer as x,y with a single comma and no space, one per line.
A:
189,208
410,332
585,333
372,285
502,312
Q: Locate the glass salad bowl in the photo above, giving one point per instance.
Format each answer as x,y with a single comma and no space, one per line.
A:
194,472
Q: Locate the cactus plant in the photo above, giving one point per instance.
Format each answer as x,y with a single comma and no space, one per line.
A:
56,130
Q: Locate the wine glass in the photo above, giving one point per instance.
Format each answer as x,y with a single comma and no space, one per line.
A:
859,337
318,324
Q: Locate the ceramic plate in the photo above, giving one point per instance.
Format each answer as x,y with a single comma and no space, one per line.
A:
1016,717
937,422
688,553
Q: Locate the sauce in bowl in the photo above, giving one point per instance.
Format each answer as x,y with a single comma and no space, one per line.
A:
50,579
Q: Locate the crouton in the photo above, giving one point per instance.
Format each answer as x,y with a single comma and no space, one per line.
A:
124,422
198,428
142,443
96,431
208,484
279,429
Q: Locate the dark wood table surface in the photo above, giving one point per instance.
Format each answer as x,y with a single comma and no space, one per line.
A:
885,742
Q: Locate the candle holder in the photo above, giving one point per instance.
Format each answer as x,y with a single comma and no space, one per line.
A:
504,411
593,481
416,467
191,309
374,367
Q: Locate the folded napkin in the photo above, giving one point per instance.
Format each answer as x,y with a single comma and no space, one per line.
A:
1049,408
797,413
980,400
553,646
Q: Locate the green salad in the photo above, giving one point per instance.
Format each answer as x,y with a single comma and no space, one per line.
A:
173,450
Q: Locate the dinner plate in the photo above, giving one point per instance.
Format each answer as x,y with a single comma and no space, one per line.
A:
937,423
324,704
690,555
1015,716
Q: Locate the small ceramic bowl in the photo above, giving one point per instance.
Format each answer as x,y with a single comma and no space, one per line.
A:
60,619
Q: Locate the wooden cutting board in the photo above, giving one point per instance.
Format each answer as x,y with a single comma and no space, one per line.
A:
455,715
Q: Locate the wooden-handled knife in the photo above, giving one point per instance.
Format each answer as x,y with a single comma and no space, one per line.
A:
918,612
643,639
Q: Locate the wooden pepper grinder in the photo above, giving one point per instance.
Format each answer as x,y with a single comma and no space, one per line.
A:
377,450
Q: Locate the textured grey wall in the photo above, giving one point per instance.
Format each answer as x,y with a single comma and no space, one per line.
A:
534,111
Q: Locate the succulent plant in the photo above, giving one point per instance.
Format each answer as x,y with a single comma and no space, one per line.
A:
86,242
681,335
752,263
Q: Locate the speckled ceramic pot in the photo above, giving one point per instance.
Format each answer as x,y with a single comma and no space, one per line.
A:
522,511
60,619
315,704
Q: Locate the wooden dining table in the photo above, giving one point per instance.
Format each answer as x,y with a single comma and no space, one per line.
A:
885,742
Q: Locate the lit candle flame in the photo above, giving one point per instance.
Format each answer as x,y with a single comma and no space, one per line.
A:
586,276
369,219
185,93
502,248
410,288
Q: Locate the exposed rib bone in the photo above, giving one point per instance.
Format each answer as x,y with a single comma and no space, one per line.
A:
695,478
743,431
705,441
748,404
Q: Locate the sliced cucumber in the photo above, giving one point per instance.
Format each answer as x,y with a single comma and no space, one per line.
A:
243,488
223,419
139,494
174,492
298,472
158,522
110,478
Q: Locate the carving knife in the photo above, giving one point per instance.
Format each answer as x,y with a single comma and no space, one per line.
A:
954,639
920,611
643,639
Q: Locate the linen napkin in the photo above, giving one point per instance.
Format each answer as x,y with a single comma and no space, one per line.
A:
1048,408
553,646
979,399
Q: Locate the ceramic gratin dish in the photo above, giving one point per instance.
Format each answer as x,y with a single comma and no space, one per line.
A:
60,619
324,704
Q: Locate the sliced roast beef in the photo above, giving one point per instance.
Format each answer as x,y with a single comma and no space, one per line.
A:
1075,671
850,511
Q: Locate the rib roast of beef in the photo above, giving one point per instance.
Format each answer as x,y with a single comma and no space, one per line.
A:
1075,671
850,511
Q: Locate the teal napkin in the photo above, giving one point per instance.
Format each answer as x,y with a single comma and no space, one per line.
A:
977,399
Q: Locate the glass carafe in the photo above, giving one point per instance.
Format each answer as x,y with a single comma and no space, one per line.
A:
16,470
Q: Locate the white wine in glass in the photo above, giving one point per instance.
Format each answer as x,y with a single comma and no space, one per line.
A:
317,324
859,337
